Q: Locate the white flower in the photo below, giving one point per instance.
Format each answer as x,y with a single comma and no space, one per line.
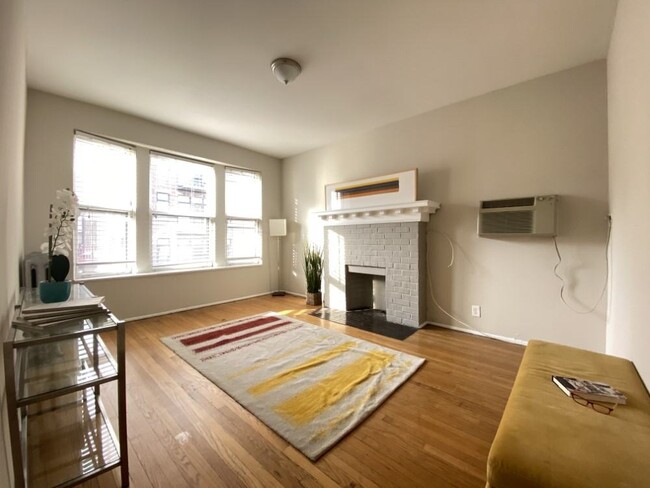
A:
60,228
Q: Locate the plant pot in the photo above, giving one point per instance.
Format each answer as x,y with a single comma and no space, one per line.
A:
314,298
54,291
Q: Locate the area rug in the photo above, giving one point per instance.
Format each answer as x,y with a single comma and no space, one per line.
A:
309,384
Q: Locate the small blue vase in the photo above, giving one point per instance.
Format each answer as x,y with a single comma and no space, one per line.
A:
54,291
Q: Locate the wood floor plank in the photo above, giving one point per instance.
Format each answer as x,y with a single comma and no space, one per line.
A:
434,431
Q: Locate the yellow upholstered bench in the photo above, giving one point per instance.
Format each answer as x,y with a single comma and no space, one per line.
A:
545,439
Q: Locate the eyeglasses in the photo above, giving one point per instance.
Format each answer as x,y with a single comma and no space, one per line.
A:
598,407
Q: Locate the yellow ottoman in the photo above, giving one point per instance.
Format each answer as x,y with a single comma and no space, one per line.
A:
545,439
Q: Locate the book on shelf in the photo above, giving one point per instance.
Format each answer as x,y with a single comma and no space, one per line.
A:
59,313
35,315
28,325
593,391
38,308
55,319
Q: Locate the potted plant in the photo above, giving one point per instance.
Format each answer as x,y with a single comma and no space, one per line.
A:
313,267
59,231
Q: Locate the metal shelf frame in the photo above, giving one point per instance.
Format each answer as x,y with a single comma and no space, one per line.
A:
19,404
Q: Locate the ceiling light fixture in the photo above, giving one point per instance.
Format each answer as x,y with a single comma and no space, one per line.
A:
285,70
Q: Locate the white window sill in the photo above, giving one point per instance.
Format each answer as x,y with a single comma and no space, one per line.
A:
165,273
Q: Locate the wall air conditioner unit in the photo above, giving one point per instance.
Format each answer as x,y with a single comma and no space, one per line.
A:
528,216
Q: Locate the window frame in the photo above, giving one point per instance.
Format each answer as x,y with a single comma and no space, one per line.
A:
250,260
141,217
131,217
211,220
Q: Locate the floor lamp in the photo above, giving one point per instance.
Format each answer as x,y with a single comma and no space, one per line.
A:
278,229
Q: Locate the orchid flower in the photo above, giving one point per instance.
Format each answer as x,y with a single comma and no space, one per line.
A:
60,228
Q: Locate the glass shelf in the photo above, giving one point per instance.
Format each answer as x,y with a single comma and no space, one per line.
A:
51,368
76,436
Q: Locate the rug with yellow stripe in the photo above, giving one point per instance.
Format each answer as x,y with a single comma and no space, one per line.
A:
309,384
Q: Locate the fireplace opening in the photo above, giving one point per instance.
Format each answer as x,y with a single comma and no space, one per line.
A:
365,288
365,303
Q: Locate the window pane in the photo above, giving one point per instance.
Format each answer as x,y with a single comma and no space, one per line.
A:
179,240
105,243
104,173
243,194
244,241
181,187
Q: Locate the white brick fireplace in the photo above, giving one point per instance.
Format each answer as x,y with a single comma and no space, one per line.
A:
377,257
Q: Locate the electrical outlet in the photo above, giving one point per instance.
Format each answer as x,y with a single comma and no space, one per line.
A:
476,310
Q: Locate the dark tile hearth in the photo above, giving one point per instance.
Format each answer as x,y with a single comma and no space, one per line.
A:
368,319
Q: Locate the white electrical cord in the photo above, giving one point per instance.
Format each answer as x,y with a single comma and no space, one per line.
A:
430,283
451,247
559,261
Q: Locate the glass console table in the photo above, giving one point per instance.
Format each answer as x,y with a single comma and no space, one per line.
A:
60,432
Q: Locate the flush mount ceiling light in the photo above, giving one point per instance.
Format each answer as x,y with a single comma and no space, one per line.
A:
285,70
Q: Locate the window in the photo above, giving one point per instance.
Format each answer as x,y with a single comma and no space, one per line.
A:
176,223
182,200
104,179
243,216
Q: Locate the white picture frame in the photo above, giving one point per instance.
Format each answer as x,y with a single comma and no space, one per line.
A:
377,191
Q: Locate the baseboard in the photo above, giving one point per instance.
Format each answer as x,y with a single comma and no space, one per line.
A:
194,307
511,340
301,295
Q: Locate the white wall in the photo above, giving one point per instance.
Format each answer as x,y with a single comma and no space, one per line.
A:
628,329
12,127
545,136
51,121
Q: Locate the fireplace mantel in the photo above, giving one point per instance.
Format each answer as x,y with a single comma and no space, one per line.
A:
400,212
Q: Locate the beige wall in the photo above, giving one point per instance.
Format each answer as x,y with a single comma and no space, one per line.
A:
12,128
51,121
628,329
548,135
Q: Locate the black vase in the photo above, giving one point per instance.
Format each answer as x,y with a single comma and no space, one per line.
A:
59,267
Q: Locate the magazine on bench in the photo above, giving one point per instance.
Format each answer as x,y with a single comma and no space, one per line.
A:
590,390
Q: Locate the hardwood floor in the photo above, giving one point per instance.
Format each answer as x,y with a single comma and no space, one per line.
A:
435,431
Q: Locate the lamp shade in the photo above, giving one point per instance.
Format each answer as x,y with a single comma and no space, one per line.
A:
277,227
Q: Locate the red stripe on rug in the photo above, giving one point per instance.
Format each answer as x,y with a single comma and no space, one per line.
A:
239,347
190,341
235,339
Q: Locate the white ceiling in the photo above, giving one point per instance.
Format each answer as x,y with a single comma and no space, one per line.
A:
203,65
